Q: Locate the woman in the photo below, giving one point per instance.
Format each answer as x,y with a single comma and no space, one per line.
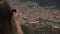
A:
17,21
6,15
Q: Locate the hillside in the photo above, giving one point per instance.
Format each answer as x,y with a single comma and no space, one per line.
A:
32,12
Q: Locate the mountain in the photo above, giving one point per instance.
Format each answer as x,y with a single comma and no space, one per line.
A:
43,2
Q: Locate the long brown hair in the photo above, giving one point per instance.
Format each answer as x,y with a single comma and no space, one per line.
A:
5,18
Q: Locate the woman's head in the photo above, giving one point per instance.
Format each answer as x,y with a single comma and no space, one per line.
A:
5,10
5,17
